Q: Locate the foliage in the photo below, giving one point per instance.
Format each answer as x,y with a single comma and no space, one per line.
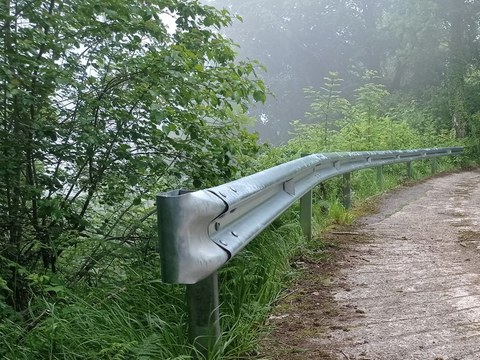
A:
373,120
106,103
135,315
103,104
414,45
326,108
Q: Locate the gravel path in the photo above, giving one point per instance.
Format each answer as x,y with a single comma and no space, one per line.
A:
413,289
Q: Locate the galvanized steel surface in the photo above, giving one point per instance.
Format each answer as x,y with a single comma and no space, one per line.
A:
200,231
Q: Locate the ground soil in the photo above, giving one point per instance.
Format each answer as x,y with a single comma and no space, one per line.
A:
401,283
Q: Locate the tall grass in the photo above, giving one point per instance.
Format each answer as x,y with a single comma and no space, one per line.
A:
139,317
253,281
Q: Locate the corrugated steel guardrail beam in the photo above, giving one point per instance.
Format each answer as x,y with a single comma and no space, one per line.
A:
200,231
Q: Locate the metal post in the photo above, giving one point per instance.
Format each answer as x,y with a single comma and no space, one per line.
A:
306,211
347,198
306,214
203,314
380,177
409,169
434,165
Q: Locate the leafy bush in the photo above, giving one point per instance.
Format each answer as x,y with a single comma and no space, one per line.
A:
105,103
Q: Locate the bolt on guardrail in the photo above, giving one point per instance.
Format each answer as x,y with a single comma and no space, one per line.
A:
200,231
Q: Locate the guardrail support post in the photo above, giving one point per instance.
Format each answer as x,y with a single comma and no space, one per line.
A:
347,197
306,215
203,314
409,169
380,177
434,165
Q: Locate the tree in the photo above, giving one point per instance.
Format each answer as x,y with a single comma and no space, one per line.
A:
418,55
103,104
461,20
327,105
423,48
300,42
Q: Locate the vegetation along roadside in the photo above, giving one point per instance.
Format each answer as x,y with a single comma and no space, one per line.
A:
106,103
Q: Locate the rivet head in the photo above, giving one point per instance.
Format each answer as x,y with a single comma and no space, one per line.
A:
222,194
223,242
234,233
234,190
217,226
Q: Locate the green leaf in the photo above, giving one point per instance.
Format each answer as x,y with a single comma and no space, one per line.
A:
56,289
259,95
197,183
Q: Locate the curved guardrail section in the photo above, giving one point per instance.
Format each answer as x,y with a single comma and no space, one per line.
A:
200,231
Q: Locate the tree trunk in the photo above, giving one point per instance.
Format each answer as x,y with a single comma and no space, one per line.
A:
457,66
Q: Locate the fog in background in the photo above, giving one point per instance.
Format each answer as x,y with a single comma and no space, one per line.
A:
410,43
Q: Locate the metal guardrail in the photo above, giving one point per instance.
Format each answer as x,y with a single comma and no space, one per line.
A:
200,231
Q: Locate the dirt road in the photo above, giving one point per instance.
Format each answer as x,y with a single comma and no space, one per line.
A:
406,284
